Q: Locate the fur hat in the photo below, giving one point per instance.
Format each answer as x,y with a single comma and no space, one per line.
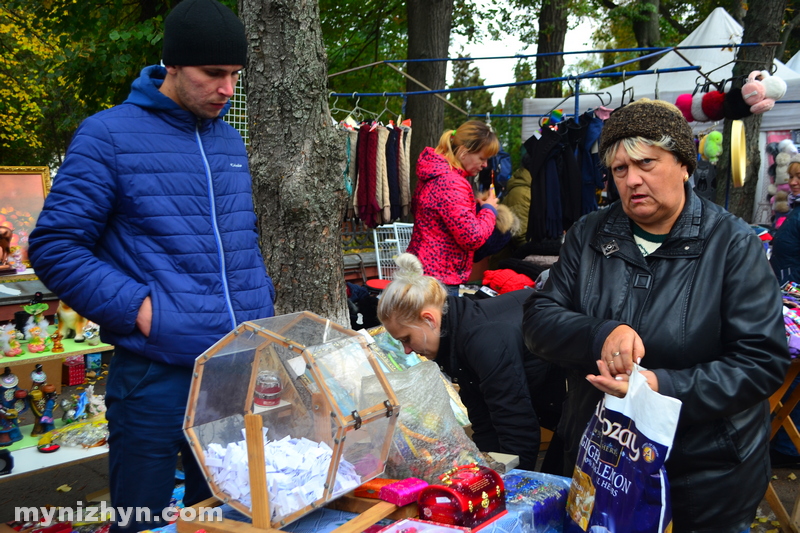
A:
651,119
203,32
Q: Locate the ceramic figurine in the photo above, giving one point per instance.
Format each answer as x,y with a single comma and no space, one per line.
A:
44,419
9,344
57,346
12,404
70,323
37,398
35,336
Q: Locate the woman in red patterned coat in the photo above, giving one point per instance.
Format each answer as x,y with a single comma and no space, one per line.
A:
448,227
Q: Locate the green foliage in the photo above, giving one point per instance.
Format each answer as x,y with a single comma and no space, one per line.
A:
87,56
360,32
473,102
509,130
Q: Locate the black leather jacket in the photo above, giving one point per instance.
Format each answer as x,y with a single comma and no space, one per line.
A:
708,309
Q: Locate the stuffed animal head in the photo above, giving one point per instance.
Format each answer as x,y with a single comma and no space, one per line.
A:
712,148
754,91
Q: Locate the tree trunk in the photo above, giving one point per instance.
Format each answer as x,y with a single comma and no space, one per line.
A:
296,157
762,24
552,32
429,24
646,30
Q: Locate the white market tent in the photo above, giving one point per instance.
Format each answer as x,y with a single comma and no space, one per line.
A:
794,62
717,63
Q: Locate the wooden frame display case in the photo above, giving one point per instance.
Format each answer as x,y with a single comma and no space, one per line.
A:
322,368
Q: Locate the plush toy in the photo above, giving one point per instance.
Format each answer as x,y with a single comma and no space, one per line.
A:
762,90
9,343
754,93
712,148
776,87
713,105
697,108
734,107
684,103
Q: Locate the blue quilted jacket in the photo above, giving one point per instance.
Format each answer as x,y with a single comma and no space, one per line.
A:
152,201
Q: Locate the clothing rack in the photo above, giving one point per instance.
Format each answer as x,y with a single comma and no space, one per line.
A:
597,73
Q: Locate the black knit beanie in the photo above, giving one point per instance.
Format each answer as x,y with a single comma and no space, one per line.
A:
651,119
203,32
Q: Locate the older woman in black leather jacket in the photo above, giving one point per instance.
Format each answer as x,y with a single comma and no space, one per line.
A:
675,281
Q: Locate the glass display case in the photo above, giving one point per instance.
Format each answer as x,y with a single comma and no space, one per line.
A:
303,376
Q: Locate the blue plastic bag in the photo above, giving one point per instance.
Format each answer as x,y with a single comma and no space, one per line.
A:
619,483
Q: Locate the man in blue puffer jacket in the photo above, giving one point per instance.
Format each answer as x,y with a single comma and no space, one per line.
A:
149,231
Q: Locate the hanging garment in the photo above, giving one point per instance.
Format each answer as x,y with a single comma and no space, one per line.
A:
569,173
555,182
367,153
405,170
352,169
392,174
381,179
589,161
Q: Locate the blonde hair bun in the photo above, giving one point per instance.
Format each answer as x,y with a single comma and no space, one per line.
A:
408,266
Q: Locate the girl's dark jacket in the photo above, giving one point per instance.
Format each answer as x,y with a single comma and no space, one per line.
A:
482,350
709,311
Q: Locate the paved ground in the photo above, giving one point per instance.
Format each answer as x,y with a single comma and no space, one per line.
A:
787,484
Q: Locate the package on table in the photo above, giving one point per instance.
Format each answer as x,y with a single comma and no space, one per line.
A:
73,370
469,496
317,425
412,525
540,499
94,361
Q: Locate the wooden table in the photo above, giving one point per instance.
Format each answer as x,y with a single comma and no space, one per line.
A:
781,412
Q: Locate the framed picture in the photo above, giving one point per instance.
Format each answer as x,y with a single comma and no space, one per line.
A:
21,201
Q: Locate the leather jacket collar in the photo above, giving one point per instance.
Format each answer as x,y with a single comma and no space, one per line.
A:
686,238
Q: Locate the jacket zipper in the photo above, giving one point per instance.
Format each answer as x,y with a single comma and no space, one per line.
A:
217,238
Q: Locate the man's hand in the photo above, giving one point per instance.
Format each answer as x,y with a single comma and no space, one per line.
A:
145,317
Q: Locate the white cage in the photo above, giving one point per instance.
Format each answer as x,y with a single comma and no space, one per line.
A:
391,240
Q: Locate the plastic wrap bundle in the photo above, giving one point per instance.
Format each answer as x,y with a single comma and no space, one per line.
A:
88,434
428,440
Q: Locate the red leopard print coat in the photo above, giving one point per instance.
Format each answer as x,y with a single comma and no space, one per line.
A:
447,230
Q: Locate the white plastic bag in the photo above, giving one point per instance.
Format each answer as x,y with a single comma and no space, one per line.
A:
619,483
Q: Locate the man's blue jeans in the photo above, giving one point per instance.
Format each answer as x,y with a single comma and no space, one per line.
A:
146,403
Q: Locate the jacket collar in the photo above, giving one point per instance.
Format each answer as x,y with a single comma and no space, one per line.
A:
685,238
145,93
